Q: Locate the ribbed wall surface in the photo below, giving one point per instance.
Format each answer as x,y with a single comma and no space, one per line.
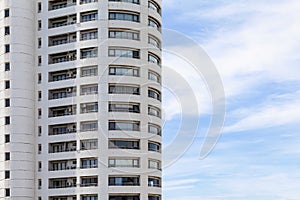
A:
21,129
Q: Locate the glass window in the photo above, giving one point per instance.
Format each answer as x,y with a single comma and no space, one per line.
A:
124,162
152,93
127,53
123,107
88,144
124,125
124,16
90,16
88,89
154,59
154,41
124,71
127,1
154,111
89,126
154,76
122,34
124,89
124,144
155,129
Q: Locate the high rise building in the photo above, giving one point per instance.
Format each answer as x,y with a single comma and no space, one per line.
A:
80,99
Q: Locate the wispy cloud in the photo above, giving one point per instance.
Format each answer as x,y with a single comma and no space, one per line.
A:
277,111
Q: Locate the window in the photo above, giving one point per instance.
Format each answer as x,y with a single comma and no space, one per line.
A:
124,125
124,162
124,197
127,53
39,78
127,1
6,13
39,42
88,126
89,53
134,17
39,166
6,30
89,181
89,89
154,23
154,111
7,138
7,120
154,182
89,71
124,107
39,183
84,2
39,7
7,84
88,144
89,34
154,6
7,66
124,34
154,197
155,94
154,164
7,192
7,156
124,181
88,107
39,25
89,16
89,197
153,146
154,41
154,129
153,59
124,71
7,48
124,89
7,102
124,144
39,148
39,60
7,174
39,131
154,76
89,163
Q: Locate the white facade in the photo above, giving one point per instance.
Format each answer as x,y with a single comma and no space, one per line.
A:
80,100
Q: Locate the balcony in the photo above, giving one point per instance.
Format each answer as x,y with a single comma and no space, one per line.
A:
88,107
124,107
62,111
60,165
124,162
62,21
72,197
59,4
62,93
154,182
89,181
62,147
62,183
86,163
87,1
62,39
62,75
124,181
61,129
62,57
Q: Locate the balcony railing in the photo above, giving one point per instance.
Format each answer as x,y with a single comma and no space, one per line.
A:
60,6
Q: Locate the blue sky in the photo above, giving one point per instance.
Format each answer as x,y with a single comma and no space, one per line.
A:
255,46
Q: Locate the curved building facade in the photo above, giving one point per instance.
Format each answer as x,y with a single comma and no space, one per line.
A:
80,103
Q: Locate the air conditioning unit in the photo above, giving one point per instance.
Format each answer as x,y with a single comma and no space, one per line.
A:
69,90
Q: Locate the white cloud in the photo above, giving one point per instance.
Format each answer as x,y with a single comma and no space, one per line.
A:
279,110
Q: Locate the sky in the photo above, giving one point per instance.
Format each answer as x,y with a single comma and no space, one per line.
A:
255,47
